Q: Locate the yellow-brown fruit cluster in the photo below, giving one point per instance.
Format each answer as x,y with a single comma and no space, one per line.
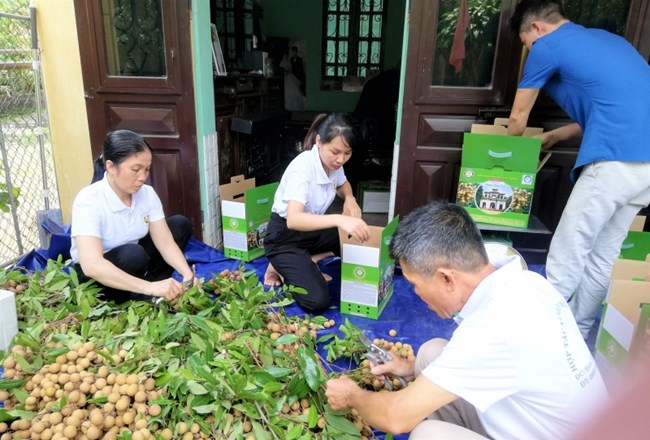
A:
520,200
15,286
60,392
465,194
368,380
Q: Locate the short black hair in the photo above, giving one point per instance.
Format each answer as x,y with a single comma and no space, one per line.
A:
526,11
439,235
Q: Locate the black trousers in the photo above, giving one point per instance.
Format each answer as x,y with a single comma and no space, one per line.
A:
142,260
290,253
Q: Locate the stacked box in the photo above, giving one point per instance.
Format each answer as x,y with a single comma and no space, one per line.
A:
245,211
636,245
9,321
624,333
497,178
373,196
367,272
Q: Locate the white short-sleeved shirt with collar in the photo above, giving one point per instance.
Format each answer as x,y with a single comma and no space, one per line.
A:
306,181
98,212
518,357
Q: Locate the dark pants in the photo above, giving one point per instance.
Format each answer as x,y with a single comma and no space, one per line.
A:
142,260
290,253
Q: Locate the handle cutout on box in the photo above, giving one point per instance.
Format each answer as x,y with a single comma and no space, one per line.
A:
498,155
627,246
263,201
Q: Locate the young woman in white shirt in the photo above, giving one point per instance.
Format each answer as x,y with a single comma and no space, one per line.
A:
121,238
299,232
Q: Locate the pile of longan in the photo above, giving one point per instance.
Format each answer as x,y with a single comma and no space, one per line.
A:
62,393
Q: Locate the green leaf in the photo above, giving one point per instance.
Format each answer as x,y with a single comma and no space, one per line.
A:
340,424
289,338
10,384
272,387
206,409
196,388
278,372
310,368
298,386
198,342
294,432
260,432
312,419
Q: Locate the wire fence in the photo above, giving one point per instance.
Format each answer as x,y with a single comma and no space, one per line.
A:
28,188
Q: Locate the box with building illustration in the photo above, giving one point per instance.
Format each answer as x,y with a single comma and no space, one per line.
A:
636,245
497,177
245,211
624,333
367,272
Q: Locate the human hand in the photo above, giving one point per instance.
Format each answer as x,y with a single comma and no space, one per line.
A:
338,392
167,289
548,139
396,367
351,207
355,227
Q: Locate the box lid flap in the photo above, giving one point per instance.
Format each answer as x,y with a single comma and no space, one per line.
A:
512,153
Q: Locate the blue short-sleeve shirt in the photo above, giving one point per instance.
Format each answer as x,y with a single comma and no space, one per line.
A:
602,83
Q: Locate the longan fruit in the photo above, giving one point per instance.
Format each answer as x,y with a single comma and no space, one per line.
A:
70,431
140,424
122,404
128,417
102,371
166,434
392,332
94,433
132,389
181,428
155,410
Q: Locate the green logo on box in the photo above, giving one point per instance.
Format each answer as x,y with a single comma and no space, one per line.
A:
233,223
359,272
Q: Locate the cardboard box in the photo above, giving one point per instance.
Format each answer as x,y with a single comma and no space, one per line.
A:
624,334
636,245
245,211
497,175
367,272
9,318
373,196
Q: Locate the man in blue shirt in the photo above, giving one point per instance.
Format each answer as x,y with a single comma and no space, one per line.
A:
603,84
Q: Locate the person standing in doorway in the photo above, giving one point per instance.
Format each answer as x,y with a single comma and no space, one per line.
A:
603,84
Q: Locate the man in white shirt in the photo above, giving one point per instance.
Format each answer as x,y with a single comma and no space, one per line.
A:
516,366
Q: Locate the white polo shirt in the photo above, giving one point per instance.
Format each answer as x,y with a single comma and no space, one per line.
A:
519,358
98,212
305,181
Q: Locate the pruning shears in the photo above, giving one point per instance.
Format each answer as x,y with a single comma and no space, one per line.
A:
185,285
379,356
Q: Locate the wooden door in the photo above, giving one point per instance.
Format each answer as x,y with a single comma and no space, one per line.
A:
440,104
137,73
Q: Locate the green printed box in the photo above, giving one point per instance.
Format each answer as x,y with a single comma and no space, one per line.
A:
636,245
367,272
245,211
497,178
624,333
